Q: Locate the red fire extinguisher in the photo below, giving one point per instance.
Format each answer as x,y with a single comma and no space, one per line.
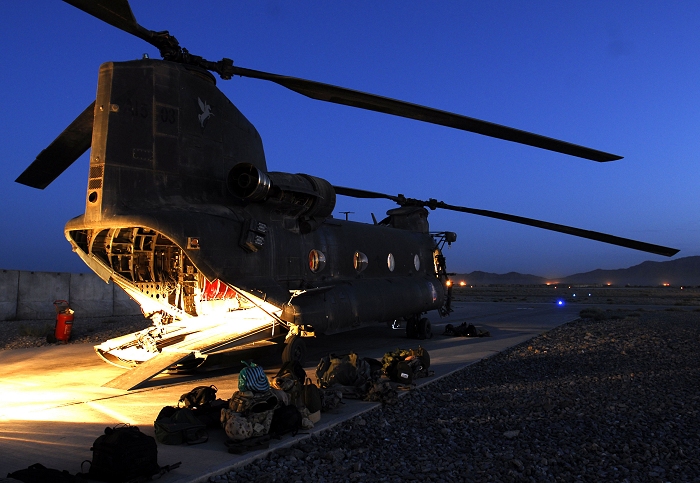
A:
64,321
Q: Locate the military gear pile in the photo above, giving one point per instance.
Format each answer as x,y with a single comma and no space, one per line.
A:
465,330
405,365
349,373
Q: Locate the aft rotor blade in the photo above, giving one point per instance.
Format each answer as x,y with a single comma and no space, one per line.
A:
61,153
371,102
569,230
118,14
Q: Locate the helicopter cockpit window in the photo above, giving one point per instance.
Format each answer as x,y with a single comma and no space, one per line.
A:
360,261
416,262
390,262
317,261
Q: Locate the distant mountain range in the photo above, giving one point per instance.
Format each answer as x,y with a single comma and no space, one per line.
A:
683,271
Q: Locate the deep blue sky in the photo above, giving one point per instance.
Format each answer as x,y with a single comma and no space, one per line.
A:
617,76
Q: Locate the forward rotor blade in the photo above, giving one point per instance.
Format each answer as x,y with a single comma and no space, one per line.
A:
569,230
61,153
371,102
356,193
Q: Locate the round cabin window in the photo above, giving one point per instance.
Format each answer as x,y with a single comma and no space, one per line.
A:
359,261
317,260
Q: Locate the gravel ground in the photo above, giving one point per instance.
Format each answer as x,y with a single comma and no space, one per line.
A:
593,400
91,330
616,399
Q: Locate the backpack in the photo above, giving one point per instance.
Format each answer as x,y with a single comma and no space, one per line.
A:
247,402
38,473
285,419
252,378
179,425
312,396
199,396
290,379
123,453
236,426
292,369
333,369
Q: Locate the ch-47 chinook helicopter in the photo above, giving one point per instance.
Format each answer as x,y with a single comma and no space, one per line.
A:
182,213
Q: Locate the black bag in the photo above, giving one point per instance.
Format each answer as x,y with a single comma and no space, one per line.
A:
285,419
199,396
123,453
404,373
210,414
312,396
38,473
179,425
405,365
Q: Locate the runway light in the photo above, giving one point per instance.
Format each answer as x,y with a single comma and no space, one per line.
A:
462,283
560,302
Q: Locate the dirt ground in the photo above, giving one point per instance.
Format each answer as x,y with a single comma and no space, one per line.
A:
668,296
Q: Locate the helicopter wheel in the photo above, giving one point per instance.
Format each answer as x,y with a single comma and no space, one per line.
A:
412,328
425,329
294,350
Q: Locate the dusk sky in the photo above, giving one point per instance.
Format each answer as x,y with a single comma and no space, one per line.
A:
621,77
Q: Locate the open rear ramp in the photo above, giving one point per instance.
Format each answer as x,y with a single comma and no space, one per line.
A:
131,379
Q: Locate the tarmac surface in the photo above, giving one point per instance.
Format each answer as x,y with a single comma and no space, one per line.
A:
54,406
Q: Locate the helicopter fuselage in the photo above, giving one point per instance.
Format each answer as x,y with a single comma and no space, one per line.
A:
180,207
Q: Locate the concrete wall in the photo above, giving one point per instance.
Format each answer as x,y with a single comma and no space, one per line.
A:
30,295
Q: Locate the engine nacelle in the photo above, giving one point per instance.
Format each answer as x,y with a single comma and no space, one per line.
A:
294,195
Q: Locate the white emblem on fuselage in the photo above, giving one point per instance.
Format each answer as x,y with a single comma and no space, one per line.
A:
206,112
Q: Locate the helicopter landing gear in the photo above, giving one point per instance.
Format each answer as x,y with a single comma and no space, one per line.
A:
425,329
294,350
419,328
412,328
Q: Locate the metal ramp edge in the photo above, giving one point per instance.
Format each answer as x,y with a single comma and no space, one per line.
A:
132,378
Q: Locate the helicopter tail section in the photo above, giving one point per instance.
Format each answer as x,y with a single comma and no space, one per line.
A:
163,134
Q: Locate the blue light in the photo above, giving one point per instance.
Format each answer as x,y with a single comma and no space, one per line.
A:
560,302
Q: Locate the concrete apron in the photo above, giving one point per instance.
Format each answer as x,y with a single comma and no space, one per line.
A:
53,406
